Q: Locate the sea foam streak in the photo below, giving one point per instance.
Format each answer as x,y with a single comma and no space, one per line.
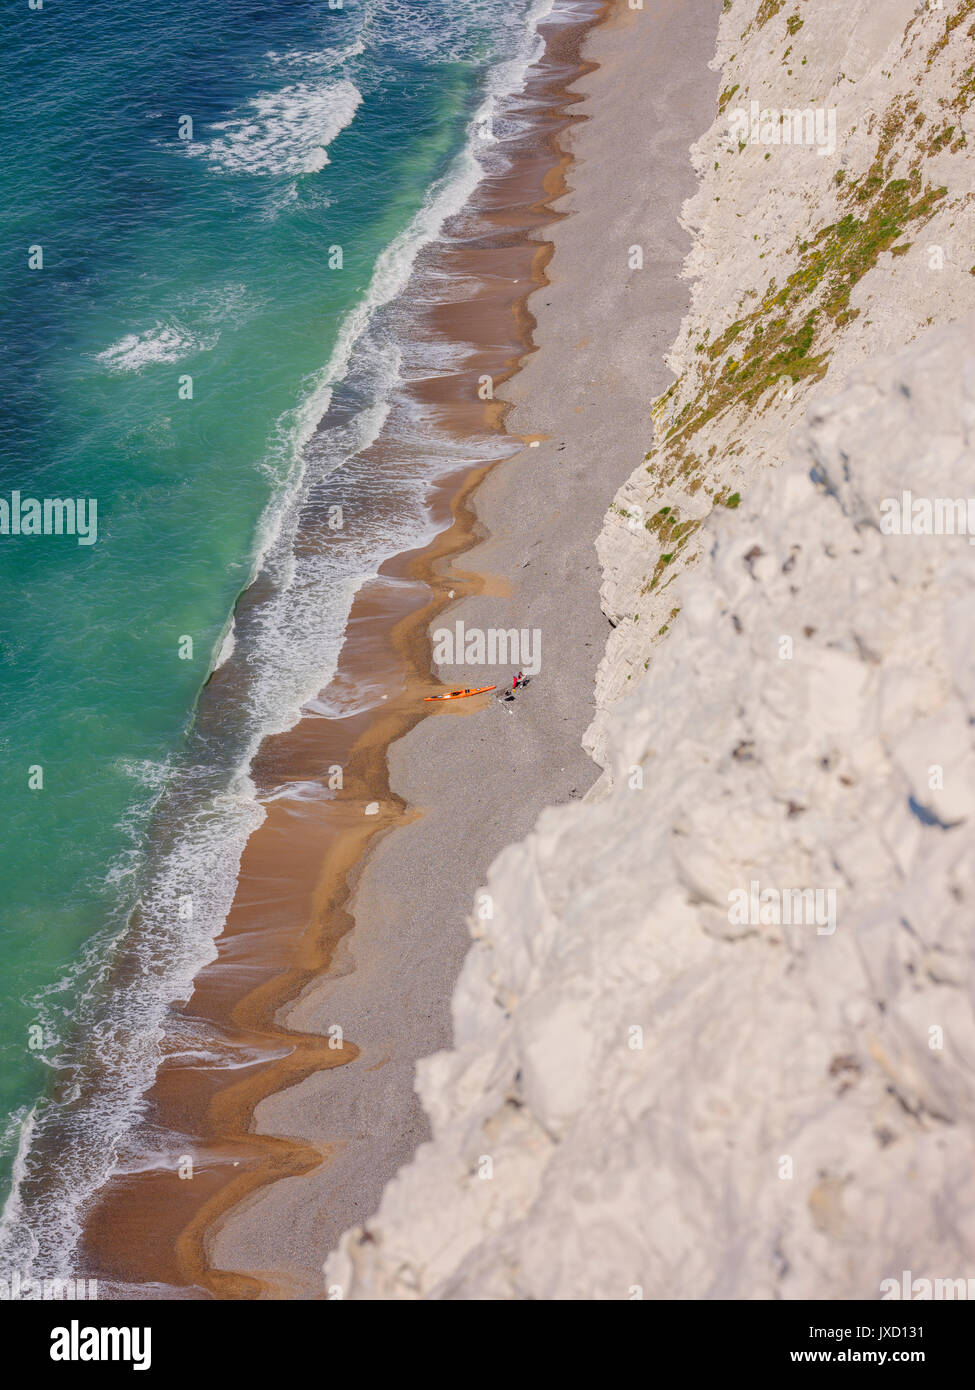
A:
164,342
190,327
285,132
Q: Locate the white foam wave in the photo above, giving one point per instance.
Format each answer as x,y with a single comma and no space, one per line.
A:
226,646
123,1039
191,327
442,30
148,772
318,58
20,1243
284,132
164,342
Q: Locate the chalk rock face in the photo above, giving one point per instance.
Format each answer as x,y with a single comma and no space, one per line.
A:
808,260
672,1074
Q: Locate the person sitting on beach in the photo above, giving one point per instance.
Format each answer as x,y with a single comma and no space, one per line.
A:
517,683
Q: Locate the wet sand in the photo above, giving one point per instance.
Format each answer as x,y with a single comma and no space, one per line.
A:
151,1227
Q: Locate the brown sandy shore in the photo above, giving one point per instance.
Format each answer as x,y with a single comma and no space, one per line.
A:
299,1146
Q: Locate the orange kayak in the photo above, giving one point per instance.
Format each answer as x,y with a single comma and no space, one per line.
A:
461,694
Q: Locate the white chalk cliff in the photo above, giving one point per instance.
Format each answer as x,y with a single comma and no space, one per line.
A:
651,1094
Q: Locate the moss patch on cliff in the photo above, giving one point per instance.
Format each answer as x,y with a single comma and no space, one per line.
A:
952,21
786,338
767,10
673,535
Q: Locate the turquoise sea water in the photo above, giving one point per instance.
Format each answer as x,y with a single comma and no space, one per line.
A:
190,174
